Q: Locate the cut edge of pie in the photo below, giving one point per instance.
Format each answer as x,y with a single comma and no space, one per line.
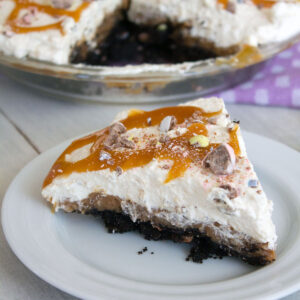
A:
68,31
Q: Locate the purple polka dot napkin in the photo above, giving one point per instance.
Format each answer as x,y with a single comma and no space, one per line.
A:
277,84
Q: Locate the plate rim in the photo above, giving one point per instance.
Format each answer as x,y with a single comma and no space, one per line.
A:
283,292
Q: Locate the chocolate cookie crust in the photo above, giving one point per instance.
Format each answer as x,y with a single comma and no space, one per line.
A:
202,247
121,42
203,238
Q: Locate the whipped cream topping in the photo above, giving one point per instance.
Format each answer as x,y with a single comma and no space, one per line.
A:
52,45
199,196
207,19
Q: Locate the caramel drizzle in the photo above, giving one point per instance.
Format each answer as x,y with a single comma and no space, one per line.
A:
247,56
260,3
128,158
13,18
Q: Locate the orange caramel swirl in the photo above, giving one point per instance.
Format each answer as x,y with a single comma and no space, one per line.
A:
260,3
177,149
13,18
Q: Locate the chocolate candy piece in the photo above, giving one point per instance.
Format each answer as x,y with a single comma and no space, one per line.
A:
221,160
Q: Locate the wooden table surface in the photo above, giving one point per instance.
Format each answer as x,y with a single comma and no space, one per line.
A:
31,123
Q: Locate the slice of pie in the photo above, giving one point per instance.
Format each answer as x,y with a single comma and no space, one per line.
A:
178,173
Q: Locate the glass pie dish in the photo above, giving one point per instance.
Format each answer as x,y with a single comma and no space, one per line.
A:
141,83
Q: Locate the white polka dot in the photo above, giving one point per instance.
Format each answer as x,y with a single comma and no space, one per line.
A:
261,96
285,54
282,81
247,85
296,63
277,69
296,97
259,76
228,96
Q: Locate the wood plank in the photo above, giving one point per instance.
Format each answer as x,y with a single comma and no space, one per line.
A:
16,281
281,124
47,121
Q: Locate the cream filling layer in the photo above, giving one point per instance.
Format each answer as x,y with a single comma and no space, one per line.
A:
51,45
191,199
188,200
208,20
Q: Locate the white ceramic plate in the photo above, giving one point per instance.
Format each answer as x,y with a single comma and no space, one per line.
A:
77,255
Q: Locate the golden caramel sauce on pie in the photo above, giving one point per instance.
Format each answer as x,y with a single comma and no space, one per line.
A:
261,3
177,149
247,56
14,21
265,3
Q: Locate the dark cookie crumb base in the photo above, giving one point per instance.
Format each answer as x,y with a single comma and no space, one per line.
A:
202,247
128,43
